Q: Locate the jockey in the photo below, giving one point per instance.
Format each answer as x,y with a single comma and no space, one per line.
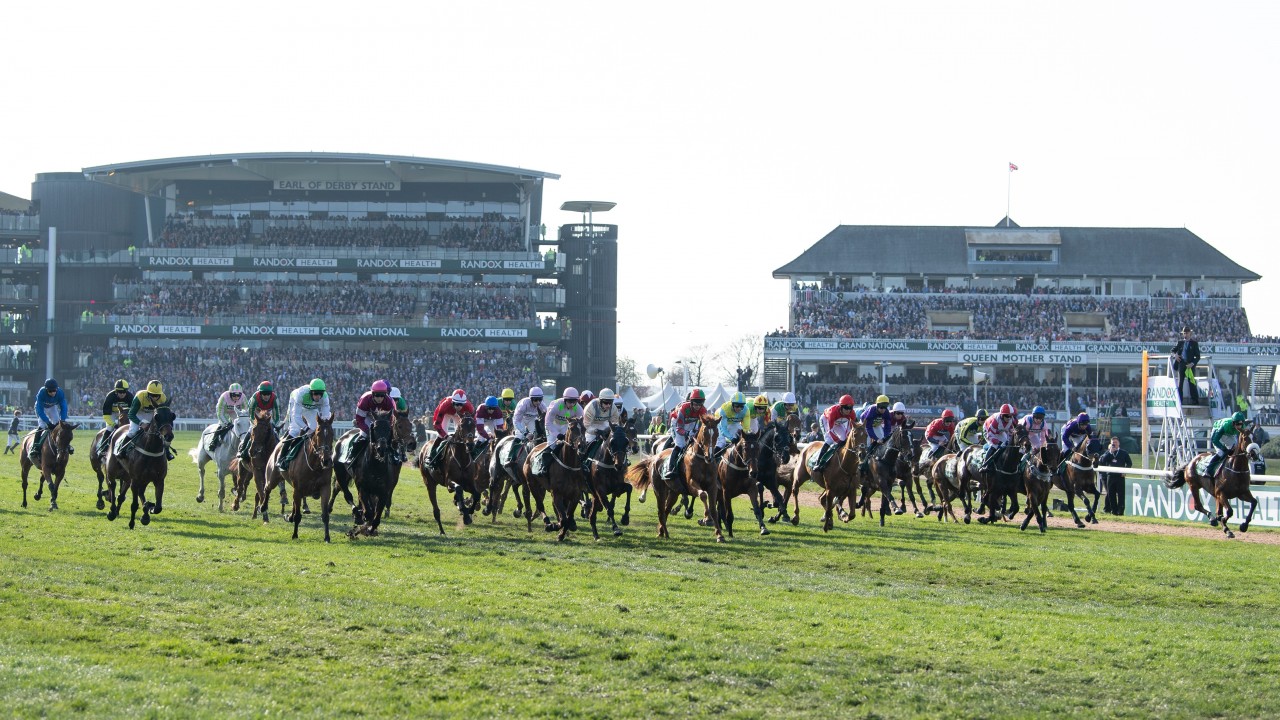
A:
837,421
998,430
734,418
969,431
115,404
586,397
1036,427
878,421
142,411
938,433
402,407
507,404
230,405
307,404
489,420
527,414
1227,427
51,409
1073,433
684,420
447,418
376,399
264,398
558,415
760,413
900,418
786,406
598,416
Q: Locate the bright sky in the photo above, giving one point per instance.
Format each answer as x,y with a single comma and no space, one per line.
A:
730,141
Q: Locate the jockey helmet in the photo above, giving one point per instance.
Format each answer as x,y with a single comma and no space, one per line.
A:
948,415
395,393
982,414
1037,410
458,397
122,385
898,407
1239,417
235,389
570,393
154,388
491,401
508,394
265,387
317,385
535,393
379,386
697,394
1083,418
586,397
882,399
50,384
762,401
789,398
846,401
1253,448
1006,409
607,394
738,399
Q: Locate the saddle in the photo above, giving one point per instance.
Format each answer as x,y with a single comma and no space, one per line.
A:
1202,465
977,458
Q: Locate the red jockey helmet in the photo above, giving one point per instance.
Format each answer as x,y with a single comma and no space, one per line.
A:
1007,409
948,415
697,394
846,400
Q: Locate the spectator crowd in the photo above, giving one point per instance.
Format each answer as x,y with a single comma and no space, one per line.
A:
490,232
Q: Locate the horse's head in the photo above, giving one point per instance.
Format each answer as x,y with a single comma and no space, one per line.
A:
60,437
162,423
708,431
1020,436
466,431
402,434
857,437
322,442
381,434
748,447
241,424
573,434
618,444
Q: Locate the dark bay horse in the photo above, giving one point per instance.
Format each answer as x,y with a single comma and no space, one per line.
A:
1037,479
372,471
840,478
564,479
263,439
1231,483
777,447
739,471
406,447
1079,476
309,473
145,463
606,475
997,484
888,463
54,453
455,471
98,458
696,475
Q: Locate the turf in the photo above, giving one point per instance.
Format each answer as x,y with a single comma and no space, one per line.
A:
204,614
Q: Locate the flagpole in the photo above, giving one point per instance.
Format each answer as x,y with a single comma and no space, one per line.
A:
1008,195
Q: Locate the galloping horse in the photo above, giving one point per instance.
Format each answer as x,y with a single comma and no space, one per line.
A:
606,475
700,478
372,472
565,479
222,457
1231,483
54,454
1037,478
98,458
887,466
405,446
310,473
145,463
739,471
840,478
948,476
996,484
262,440
1078,477
454,472
506,470
777,446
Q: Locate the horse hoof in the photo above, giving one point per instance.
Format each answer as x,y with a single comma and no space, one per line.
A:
1080,525
919,514
53,506
466,519
1244,527
1230,534
626,520
795,520
200,498
617,533
146,520
984,521
764,531
966,519
515,514
550,528
902,511
101,504
720,539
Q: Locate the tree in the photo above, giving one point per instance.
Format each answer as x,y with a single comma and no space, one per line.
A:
628,375
695,360
739,363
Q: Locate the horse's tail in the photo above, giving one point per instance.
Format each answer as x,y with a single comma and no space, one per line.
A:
1176,478
195,454
638,474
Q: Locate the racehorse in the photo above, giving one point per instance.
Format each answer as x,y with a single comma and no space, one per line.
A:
699,478
887,465
54,453
372,472
1078,477
405,446
309,473
777,446
606,475
999,483
739,471
263,438
146,462
840,478
455,470
564,478
506,471
222,457
1231,483
98,458
948,476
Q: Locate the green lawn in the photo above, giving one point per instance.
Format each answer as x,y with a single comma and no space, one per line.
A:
215,615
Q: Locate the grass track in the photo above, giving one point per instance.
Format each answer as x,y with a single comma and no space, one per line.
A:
202,614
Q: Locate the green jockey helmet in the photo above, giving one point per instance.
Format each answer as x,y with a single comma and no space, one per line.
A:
1239,417
317,385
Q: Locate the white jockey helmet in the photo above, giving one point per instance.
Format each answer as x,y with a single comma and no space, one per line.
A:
459,397
395,393
789,398
899,407
535,392
570,393
606,394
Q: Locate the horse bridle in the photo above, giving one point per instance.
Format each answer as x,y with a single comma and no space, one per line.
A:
317,448
743,456
256,447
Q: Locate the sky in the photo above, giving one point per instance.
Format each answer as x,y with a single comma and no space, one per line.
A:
731,141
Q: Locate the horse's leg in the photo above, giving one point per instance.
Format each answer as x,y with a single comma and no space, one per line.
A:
133,513
326,505
1253,505
665,499
757,506
118,502
597,503
827,501
1071,502
202,458
271,482
725,508
1093,507
296,516
435,506
97,469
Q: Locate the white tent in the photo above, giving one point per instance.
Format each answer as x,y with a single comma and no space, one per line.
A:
629,400
717,395
665,400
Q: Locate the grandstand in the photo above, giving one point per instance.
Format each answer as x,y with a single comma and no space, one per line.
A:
964,317
209,270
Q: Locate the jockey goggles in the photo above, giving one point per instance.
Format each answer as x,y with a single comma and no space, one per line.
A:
234,395
696,401
379,395
846,408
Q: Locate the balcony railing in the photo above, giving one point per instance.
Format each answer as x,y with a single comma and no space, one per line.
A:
301,320
19,222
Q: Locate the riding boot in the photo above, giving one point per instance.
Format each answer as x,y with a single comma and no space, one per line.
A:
243,451
673,463
34,453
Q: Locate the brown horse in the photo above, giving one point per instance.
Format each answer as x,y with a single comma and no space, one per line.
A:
1038,480
607,475
1232,482
739,471
948,477
840,478
888,464
455,470
310,473
54,453
98,458
997,484
564,478
1079,476
406,448
262,440
699,478
146,462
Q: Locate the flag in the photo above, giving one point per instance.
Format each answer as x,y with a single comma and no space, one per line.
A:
1012,167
